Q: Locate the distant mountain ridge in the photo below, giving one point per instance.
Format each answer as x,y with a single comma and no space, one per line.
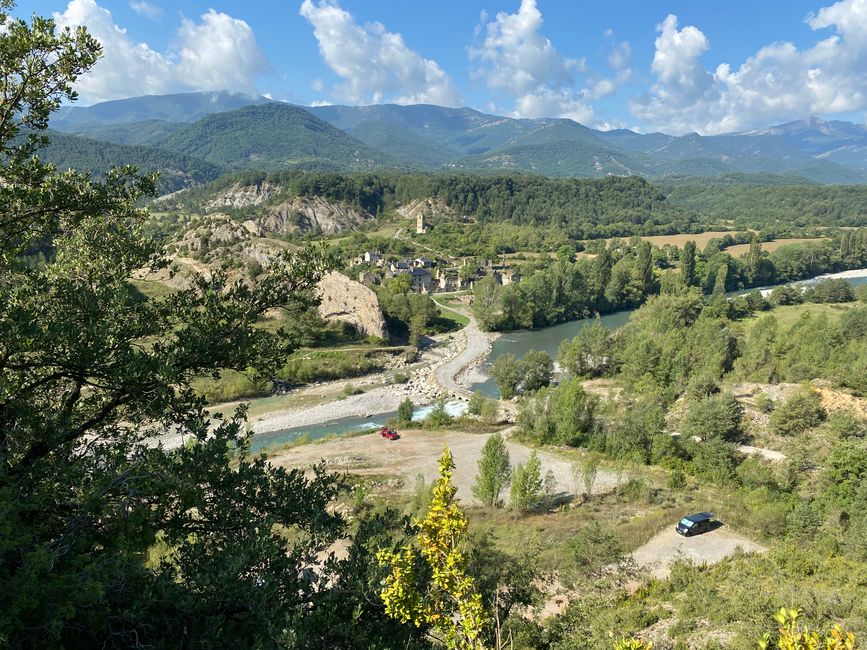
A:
235,132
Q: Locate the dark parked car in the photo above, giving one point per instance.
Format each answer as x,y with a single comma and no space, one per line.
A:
696,524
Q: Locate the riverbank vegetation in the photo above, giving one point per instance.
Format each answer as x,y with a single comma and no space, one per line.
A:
625,273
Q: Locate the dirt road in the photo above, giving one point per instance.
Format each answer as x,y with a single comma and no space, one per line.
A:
709,548
477,344
417,452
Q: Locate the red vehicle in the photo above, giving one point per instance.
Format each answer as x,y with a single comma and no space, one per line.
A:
388,434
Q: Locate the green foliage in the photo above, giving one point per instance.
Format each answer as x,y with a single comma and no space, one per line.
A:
507,372
845,423
475,404
527,492
677,479
596,546
537,367
438,416
830,291
404,412
802,411
572,413
448,601
495,471
590,353
715,417
106,536
846,471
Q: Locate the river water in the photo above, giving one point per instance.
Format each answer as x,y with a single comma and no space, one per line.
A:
517,343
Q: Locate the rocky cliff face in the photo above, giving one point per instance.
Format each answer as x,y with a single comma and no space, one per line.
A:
302,214
431,207
243,196
351,302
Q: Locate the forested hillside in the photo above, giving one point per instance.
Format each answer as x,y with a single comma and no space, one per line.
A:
582,208
271,136
750,204
177,170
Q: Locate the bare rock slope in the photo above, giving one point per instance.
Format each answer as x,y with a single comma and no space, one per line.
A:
351,302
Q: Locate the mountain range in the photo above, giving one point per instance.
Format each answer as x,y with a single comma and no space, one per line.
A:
216,132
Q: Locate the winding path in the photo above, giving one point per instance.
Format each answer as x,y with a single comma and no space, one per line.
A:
476,346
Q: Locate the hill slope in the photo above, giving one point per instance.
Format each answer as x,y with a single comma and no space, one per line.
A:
178,107
177,170
271,136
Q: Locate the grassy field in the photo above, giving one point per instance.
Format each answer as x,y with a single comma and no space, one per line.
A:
449,314
701,240
788,315
769,246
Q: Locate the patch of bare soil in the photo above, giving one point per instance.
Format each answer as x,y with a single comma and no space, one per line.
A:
660,552
417,453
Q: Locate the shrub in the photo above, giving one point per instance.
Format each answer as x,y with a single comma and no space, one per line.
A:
802,411
527,492
537,367
716,417
439,417
404,412
677,479
474,406
507,372
494,471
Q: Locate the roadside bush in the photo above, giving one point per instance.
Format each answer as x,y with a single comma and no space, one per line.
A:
802,411
494,471
351,389
527,492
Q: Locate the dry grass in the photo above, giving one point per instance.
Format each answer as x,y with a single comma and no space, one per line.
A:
740,249
701,240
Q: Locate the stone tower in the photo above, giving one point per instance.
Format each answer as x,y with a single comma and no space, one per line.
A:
420,225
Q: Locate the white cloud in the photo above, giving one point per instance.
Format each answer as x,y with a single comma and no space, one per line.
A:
514,58
146,9
375,64
215,53
777,83
621,56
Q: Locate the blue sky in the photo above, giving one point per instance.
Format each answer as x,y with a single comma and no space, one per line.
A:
699,65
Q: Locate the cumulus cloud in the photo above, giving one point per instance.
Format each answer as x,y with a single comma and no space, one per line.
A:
146,9
216,52
513,57
375,64
778,82
621,55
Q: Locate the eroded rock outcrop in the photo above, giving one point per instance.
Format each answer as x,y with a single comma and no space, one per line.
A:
302,214
430,207
242,196
351,302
